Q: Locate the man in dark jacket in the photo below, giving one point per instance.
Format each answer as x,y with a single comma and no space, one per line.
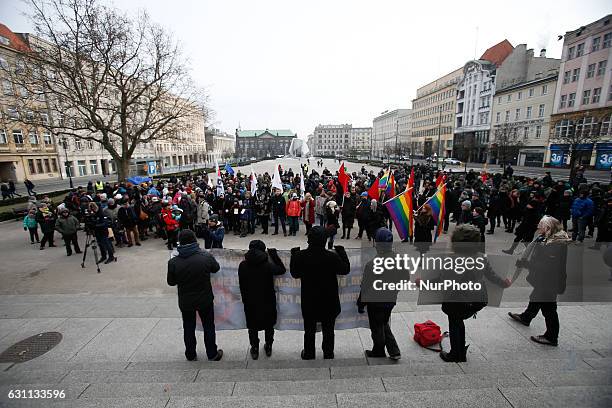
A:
68,225
256,276
190,271
278,204
380,305
317,268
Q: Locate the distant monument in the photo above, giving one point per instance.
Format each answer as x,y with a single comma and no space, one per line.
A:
298,148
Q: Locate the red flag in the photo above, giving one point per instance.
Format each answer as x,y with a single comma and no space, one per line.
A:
343,178
373,191
410,187
483,175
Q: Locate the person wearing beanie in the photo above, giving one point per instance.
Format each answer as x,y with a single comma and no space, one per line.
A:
380,305
190,272
256,277
465,216
461,305
317,268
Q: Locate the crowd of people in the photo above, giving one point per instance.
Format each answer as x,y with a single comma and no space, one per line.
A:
178,210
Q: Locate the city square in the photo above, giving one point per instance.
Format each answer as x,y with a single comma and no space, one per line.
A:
180,231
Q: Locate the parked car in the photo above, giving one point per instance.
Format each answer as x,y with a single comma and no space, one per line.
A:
451,160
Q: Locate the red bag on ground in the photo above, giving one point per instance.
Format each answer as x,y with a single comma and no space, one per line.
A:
428,334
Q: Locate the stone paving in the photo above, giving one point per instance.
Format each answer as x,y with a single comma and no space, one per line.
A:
122,345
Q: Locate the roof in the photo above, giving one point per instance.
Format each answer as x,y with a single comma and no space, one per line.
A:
498,53
273,132
15,41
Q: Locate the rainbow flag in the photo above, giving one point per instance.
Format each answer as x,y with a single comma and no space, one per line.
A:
410,188
400,210
382,183
437,203
390,189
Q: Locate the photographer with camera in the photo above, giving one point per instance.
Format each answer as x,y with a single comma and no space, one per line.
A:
213,236
97,223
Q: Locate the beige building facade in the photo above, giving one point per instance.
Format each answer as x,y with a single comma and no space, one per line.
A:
433,113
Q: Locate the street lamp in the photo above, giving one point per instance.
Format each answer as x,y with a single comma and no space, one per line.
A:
66,166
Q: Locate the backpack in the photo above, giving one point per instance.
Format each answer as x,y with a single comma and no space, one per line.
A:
428,334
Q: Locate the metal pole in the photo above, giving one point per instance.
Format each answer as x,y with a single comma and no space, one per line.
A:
439,131
66,167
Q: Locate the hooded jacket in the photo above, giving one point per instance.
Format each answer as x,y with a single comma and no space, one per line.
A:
190,271
256,276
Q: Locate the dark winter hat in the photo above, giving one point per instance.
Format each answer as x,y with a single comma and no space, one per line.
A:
466,233
383,235
317,236
257,244
187,237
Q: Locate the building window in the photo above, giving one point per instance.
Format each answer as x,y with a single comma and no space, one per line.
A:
12,113
591,71
571,100
580,50
7,87
509,98
570,52
576,75
47,166
530,92
528,113
517,114
44,118
499,100
77,144
31,167
498,116
47,138
544,89
596,95
82,167
39,166
607,40
3,139
526,132
562,101
18,137
507,116
538,133
586,97
54,165
595,44
601,67
541,110
566,77
93,165
33,137
519,96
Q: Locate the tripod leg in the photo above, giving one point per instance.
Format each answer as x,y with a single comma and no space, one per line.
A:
85,251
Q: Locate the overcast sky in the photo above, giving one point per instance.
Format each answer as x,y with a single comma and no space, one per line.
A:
295,64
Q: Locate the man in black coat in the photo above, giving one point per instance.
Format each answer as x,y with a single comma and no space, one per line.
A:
190,271
317,268
278,204
256,276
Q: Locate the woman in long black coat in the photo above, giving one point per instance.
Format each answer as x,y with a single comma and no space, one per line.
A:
423,225
256,277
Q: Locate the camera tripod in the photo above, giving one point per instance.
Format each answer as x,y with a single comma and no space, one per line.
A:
91,241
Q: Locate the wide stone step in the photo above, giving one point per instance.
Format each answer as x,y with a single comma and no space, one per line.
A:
506,397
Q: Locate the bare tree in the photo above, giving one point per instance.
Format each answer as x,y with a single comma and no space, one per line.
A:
108,78
506,141
574,132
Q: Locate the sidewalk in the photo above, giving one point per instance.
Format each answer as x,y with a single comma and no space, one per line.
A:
128,351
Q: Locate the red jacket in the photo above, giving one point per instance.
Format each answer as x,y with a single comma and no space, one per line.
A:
169,221
310,215
293,208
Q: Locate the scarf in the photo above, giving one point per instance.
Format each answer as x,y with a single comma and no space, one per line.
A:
186,251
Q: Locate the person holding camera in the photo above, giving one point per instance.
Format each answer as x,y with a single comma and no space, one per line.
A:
190,272
99,224
213,236
256,277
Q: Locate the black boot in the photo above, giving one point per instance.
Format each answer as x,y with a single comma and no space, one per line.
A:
254,352
268,349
